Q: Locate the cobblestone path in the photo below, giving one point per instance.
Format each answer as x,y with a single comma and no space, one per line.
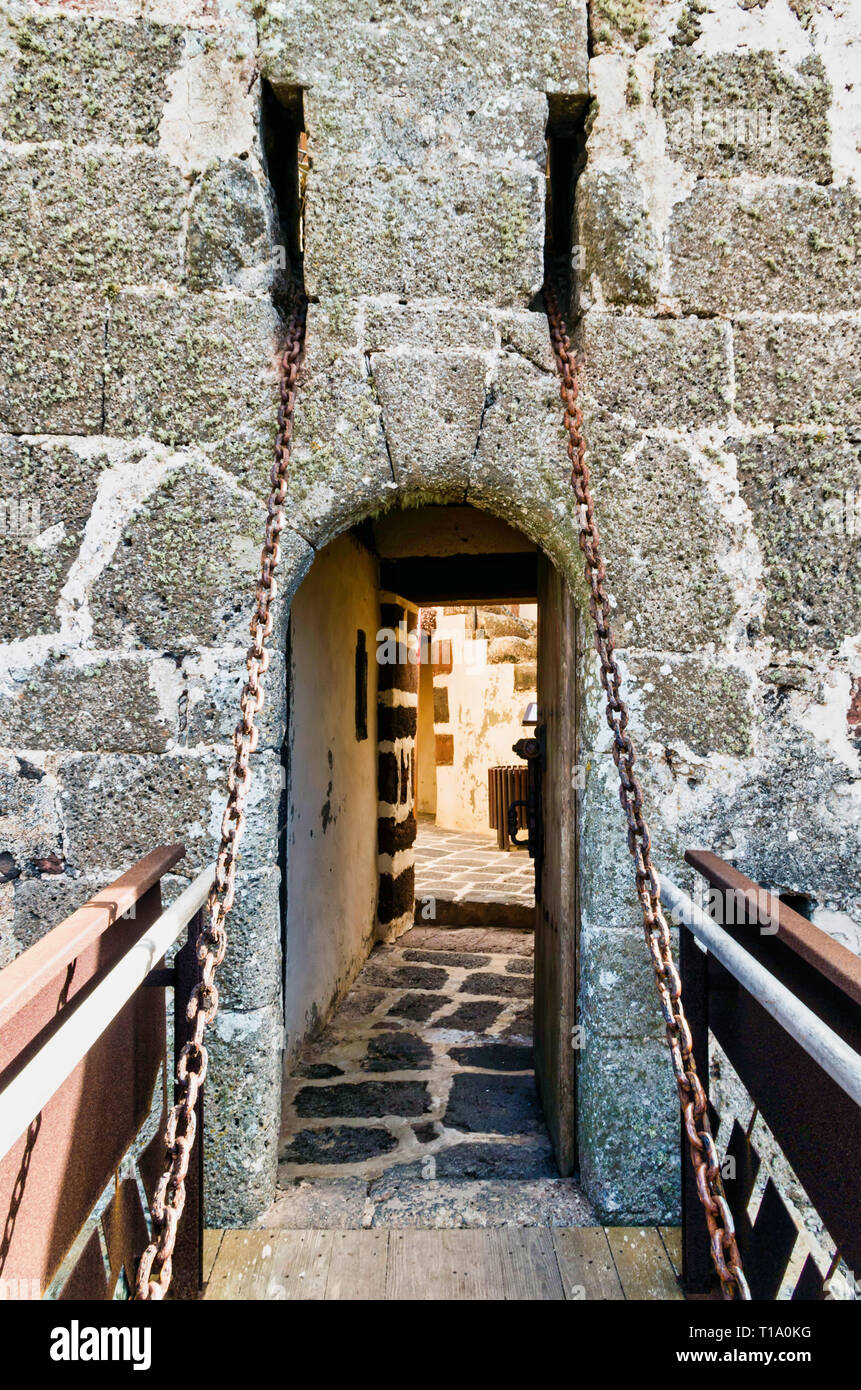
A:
417,1105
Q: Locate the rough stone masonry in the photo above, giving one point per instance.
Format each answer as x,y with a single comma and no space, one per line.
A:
716,240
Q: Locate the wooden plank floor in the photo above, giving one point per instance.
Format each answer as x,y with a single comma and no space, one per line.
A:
521,1263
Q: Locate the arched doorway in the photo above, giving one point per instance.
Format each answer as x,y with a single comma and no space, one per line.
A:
361,674
625,1133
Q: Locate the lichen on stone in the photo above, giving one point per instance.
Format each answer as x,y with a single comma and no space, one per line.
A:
619,24
46,98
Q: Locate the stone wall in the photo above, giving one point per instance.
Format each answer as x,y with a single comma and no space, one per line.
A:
716,233
396,655
137,391
137,395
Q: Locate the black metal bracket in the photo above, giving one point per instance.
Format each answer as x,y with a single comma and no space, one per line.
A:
163,977
513,826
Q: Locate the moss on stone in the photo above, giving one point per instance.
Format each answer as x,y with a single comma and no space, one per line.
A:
186,556
190,368
118,215
689,28
802,490
797,372
46,98
633,90
619,23
728,113
614,229
228,228
51,370
757,227
688,700
62,485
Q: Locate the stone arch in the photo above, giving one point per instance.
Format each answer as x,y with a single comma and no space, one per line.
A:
614,1113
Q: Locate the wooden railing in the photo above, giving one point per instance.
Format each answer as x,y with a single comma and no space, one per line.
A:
783,1000
85,1076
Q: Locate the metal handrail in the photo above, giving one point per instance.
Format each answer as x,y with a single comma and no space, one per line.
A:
25,1096
831,1052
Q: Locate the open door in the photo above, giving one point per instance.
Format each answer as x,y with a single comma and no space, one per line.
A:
556,886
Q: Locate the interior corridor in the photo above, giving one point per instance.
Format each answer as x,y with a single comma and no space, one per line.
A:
413,1096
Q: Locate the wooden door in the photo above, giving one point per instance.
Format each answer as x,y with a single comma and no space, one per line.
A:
556,908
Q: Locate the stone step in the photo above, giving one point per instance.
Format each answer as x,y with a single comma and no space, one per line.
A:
511,649
392,1202
476,911
505,625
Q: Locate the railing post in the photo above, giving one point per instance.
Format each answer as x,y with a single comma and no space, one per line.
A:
697,1267
187,1279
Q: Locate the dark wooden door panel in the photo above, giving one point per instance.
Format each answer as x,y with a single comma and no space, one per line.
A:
556,904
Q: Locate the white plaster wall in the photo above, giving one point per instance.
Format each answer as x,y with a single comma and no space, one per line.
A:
425,749
484,717
332,847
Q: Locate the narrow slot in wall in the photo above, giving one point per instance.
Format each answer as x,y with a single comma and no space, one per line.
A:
566,158
282,137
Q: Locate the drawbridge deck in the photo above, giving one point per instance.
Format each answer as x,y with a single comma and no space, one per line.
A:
528,1263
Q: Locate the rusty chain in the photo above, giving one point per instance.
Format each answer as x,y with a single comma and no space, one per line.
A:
154,1270
692,1097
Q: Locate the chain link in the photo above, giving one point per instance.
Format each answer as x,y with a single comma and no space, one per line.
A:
154,1270
692,1097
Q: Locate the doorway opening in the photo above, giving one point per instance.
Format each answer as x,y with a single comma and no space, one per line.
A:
430,970
476,701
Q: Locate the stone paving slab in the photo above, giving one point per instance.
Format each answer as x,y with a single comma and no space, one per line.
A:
404,976
362,1099
416,1104
416,1007
509,986
339,1143
475,1016
494,1056
477,1162
462,958
496,939
469,878
520,1024
497,1104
